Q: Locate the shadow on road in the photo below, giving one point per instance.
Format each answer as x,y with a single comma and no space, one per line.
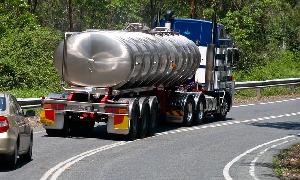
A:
100,131
279,125
20,164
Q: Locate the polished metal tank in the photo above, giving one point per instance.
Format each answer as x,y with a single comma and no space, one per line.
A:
122,59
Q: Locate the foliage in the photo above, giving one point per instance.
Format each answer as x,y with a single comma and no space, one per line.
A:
286,65
287,163
26,59
262,29
14,14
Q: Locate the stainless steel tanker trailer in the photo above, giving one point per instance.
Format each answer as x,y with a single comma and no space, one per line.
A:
134,79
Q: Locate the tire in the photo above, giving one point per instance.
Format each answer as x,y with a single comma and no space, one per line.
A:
222,115
200,115
188,111
144,121
12,159
153,121
134,115
28,155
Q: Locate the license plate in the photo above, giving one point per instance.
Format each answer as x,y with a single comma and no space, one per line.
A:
79,108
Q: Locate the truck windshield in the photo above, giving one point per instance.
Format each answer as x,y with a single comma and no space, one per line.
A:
2,104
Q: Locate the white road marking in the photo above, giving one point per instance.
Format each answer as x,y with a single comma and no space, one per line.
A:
228,165
253,162
225,124
57,170
266,103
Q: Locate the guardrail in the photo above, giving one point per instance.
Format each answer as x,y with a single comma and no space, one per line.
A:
258,85
27,103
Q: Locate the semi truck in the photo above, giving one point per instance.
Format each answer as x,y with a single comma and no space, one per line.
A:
134,79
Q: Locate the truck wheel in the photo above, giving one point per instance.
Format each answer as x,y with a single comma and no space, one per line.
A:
144,121
200,115
135,113
188,111
222,115
153,118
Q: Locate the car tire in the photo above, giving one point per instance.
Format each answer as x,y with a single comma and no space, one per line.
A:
12,159
28,155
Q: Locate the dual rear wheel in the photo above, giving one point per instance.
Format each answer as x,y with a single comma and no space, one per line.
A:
143,118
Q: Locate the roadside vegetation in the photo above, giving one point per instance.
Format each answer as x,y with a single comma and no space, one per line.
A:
287,163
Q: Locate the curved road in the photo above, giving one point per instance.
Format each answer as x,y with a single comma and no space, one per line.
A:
239,148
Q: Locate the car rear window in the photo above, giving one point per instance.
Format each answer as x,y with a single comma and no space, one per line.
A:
2,104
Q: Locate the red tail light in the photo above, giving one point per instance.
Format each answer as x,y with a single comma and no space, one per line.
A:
4,125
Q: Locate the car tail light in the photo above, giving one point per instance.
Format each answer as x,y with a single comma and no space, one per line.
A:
4,125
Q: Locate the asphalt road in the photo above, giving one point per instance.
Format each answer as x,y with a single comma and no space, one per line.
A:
239,148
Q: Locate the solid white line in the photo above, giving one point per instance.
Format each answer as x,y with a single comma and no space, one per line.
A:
266,103
228,165
70,163
54,172
252,164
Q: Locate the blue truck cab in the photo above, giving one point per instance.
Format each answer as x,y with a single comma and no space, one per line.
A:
199,31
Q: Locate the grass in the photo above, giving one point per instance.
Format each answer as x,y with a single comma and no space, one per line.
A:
287,163
269,91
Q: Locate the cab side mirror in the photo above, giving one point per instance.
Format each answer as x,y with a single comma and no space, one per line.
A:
30,113
233,55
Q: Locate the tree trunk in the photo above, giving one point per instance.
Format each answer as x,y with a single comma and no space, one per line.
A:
35,2
70,10
193,9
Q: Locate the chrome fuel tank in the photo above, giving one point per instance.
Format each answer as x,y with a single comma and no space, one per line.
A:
122,59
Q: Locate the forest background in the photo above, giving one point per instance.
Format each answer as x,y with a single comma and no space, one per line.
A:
267,32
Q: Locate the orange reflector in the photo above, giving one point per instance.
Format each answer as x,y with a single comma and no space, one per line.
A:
47,117
121,122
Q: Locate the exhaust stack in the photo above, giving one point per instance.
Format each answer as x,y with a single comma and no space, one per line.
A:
210,58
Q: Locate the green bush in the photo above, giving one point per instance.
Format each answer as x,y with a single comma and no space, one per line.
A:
286,65
26,59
